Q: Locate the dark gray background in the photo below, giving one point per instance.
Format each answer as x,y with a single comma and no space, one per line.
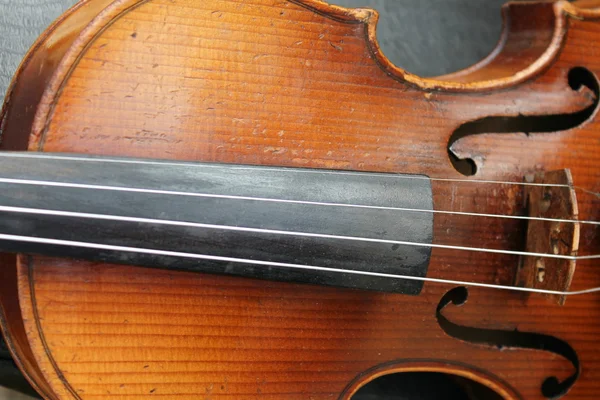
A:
426,37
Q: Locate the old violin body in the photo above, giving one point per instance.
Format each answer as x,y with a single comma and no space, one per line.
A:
302,84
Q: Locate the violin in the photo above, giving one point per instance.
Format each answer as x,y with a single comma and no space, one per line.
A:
247,200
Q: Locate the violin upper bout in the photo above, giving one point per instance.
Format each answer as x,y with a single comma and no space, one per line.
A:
505,66
346,36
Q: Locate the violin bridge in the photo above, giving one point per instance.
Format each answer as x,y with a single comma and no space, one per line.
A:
550,236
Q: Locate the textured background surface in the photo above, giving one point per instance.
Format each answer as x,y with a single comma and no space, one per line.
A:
427,37
6,394
21,22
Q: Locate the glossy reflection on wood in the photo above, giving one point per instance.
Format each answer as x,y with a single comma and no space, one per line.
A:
302,84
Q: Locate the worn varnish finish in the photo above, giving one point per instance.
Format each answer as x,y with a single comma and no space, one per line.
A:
296,83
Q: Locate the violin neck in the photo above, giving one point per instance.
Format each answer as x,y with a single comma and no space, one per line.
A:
287,224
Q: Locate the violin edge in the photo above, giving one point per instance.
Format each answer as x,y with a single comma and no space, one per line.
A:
479,76
57,38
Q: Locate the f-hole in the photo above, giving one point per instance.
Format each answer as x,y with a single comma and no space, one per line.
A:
551,388
579,78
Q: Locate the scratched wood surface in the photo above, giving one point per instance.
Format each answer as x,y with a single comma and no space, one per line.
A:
296,83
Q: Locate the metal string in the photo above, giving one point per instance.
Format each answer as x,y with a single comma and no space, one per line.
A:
9,154
281,232
34,155
38,211
98,246
266,199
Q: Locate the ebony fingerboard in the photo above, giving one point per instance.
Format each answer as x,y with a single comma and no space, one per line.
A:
300,225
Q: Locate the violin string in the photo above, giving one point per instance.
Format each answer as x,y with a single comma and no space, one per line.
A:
236,167
288,265
45,212
272,200
98,246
